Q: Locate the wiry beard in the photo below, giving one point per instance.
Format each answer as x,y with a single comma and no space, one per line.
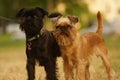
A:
65,38
30,28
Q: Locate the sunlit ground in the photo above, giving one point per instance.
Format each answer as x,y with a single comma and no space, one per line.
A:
13,61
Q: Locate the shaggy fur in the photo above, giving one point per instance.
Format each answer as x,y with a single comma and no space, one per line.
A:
40,47
77,49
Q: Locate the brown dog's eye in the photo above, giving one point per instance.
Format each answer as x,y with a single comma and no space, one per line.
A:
69,26
57,27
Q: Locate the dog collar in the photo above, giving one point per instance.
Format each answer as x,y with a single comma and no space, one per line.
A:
37,36
33,38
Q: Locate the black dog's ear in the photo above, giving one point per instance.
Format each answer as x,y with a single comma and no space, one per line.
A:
73,19
20,13
53,15
42,10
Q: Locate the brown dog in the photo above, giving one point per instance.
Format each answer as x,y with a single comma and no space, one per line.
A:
77,49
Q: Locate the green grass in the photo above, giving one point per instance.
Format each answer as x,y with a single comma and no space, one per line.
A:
7,41
112,42
13,60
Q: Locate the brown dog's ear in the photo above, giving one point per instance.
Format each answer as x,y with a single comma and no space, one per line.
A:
42,11
20,13
73,19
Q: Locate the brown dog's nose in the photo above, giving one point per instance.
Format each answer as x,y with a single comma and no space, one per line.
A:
60,27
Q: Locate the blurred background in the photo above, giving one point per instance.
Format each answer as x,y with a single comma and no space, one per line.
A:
12,40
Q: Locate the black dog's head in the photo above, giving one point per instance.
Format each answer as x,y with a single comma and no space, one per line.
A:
31,19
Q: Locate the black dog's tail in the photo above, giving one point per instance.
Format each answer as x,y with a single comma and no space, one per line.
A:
53,15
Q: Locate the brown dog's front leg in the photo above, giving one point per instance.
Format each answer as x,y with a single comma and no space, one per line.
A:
87,73
80,72
68,70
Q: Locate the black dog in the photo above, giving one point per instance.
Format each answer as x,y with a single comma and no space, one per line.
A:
40,46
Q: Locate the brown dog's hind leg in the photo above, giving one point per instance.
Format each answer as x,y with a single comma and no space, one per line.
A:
104,56
107,66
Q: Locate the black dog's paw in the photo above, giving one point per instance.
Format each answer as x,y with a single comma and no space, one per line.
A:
53,15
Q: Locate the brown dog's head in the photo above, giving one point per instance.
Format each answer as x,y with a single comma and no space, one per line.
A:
66,29
31,19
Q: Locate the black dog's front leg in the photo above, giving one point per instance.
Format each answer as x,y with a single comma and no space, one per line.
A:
31,69
30,66
50,68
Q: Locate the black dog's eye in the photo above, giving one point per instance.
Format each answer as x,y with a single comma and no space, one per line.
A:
36,17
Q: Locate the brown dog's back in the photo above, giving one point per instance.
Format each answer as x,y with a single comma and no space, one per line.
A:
93,40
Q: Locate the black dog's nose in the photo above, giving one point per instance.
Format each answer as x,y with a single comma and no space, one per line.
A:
29,18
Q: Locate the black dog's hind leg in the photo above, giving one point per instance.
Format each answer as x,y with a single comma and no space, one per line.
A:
50,68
